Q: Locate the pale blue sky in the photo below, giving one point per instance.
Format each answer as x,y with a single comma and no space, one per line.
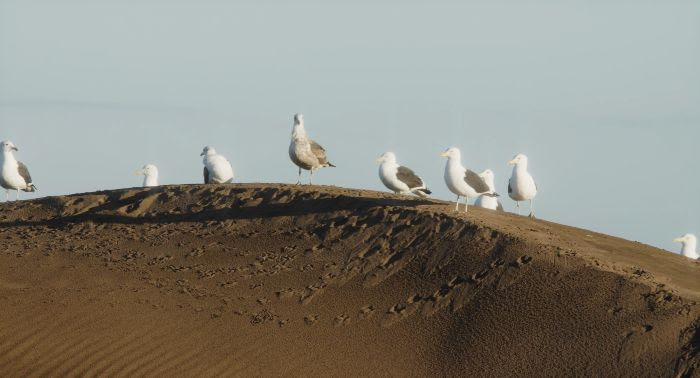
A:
603,96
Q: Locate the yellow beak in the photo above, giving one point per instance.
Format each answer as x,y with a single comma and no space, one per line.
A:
139,172
444,154
511,162
678,240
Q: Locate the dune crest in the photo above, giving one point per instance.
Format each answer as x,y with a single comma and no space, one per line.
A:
264,279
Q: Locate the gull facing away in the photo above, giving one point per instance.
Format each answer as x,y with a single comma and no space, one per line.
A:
150,173
399,179
217,169
462,181
489,200
304,152
521,186
690,243
14,175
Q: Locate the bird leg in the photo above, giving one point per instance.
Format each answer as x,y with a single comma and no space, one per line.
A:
466,204
532,208
311,176
17,198
457,204
299,178
517,205
7,195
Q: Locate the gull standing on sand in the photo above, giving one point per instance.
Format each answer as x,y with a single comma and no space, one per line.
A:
304,152
150,173
461,181
521,186
399,179
14,175
490,199
217,169
690,243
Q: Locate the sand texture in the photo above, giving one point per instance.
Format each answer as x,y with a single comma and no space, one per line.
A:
263,279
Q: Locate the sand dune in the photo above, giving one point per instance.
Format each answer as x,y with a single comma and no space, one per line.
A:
245,280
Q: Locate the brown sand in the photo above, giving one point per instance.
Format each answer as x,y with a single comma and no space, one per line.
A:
249,280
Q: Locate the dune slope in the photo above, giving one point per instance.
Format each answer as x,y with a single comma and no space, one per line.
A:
262,279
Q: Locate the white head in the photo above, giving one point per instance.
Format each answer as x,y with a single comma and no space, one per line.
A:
8,146
147,170
689,242
452,153
298,119
208,151
519,160
488,177
387,157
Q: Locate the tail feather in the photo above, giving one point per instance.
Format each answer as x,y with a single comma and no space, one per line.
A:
30,188
423,192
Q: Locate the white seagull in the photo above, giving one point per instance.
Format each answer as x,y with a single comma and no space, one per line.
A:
399,179
150,173
217,169
304,152
690,243
461,181
14,175
490,199
521,186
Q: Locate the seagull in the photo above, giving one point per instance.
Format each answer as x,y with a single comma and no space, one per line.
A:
14,175
150,173
690,243
521,186
399,179
217,169
461,181
304,152
489,200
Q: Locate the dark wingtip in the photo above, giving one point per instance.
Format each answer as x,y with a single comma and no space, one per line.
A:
331,165
426,191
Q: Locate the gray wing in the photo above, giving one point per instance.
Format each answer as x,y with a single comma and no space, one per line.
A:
408,177
319,152
24,172
206,175
476,182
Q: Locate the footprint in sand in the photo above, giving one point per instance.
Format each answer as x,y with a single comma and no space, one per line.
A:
310,319
342,320
366,312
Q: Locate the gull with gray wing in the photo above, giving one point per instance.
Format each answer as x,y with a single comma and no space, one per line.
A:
461,181
14,175
400,179
304,152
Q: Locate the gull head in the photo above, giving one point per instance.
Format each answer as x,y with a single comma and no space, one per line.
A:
208,151
451,153
8,146
487,174
687,238
518,159
298,119
147,170
387,157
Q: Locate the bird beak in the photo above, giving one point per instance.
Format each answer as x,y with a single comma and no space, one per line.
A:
511,162
379,160
444,154
678,240
139,172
